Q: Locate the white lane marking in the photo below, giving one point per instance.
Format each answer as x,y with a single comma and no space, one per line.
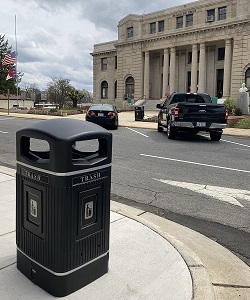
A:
236,143
195,163
3,131
223,194
137,132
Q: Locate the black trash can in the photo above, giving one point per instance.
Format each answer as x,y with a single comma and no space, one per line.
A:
63,204
139,113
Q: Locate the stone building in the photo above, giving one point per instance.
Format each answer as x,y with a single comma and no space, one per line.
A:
200,46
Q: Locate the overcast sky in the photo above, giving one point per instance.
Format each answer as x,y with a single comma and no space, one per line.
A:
55,37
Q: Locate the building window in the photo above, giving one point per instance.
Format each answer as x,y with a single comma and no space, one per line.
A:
189,20
129,87
161,26
179,22
189,57
130,32
222,12
188,81
247,79
104,90
115,62
221,53
153,27
115,89
104,64
211,15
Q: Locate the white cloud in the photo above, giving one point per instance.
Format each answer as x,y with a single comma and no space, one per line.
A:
55,37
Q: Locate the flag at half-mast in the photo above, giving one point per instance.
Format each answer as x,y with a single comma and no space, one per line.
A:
9,59
11,73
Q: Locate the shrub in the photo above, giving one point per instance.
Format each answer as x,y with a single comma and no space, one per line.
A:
53,110
237,111
233,110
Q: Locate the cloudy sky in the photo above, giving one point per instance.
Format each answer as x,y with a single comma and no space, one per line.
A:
55,37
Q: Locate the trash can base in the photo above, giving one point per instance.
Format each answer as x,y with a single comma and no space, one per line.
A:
62,285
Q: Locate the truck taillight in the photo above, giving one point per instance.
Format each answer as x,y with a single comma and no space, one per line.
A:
176,112
226,114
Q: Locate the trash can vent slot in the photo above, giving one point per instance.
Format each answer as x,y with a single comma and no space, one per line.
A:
89,151
36,150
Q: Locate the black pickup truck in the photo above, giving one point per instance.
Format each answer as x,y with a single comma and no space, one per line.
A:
192,112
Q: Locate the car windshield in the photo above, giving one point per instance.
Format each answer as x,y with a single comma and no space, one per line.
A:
101,107
190,98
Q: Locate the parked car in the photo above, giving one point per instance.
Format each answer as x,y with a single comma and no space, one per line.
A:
191,113
105,115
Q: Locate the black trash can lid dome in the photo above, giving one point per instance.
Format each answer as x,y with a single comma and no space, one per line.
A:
65,129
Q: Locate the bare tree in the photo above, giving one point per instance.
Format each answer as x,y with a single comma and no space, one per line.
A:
31,91
57,91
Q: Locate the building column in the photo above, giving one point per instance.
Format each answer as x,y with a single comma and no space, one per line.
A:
165,72
172,70
146,75
194,69
227,68
202,69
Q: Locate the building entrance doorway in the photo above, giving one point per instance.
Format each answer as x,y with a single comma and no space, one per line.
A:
220,76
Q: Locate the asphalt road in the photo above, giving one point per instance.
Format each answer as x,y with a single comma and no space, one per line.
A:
193,181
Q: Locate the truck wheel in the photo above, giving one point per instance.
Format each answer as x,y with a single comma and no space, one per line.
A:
159,128
171,131
215,135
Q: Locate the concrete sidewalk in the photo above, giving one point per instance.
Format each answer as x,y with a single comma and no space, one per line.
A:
150,258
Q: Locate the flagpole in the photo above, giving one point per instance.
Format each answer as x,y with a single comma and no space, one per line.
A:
16,62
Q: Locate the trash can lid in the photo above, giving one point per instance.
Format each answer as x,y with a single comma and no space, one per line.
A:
65,129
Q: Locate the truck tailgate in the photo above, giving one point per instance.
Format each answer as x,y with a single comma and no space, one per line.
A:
203,112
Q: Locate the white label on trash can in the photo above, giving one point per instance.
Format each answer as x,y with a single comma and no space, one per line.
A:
33,208
89,210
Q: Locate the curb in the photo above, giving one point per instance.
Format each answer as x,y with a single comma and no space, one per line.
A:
8,171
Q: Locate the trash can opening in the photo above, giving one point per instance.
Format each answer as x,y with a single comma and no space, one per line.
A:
91,146
36,150
89,151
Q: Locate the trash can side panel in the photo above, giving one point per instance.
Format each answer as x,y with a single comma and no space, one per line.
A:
93,208
30,220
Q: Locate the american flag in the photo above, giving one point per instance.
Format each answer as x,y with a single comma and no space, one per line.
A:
12,73
9,58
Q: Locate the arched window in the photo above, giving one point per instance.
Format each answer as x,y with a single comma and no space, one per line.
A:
115,89
247,79
104,90
130,87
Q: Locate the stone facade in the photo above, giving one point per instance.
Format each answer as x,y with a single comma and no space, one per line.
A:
200,46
